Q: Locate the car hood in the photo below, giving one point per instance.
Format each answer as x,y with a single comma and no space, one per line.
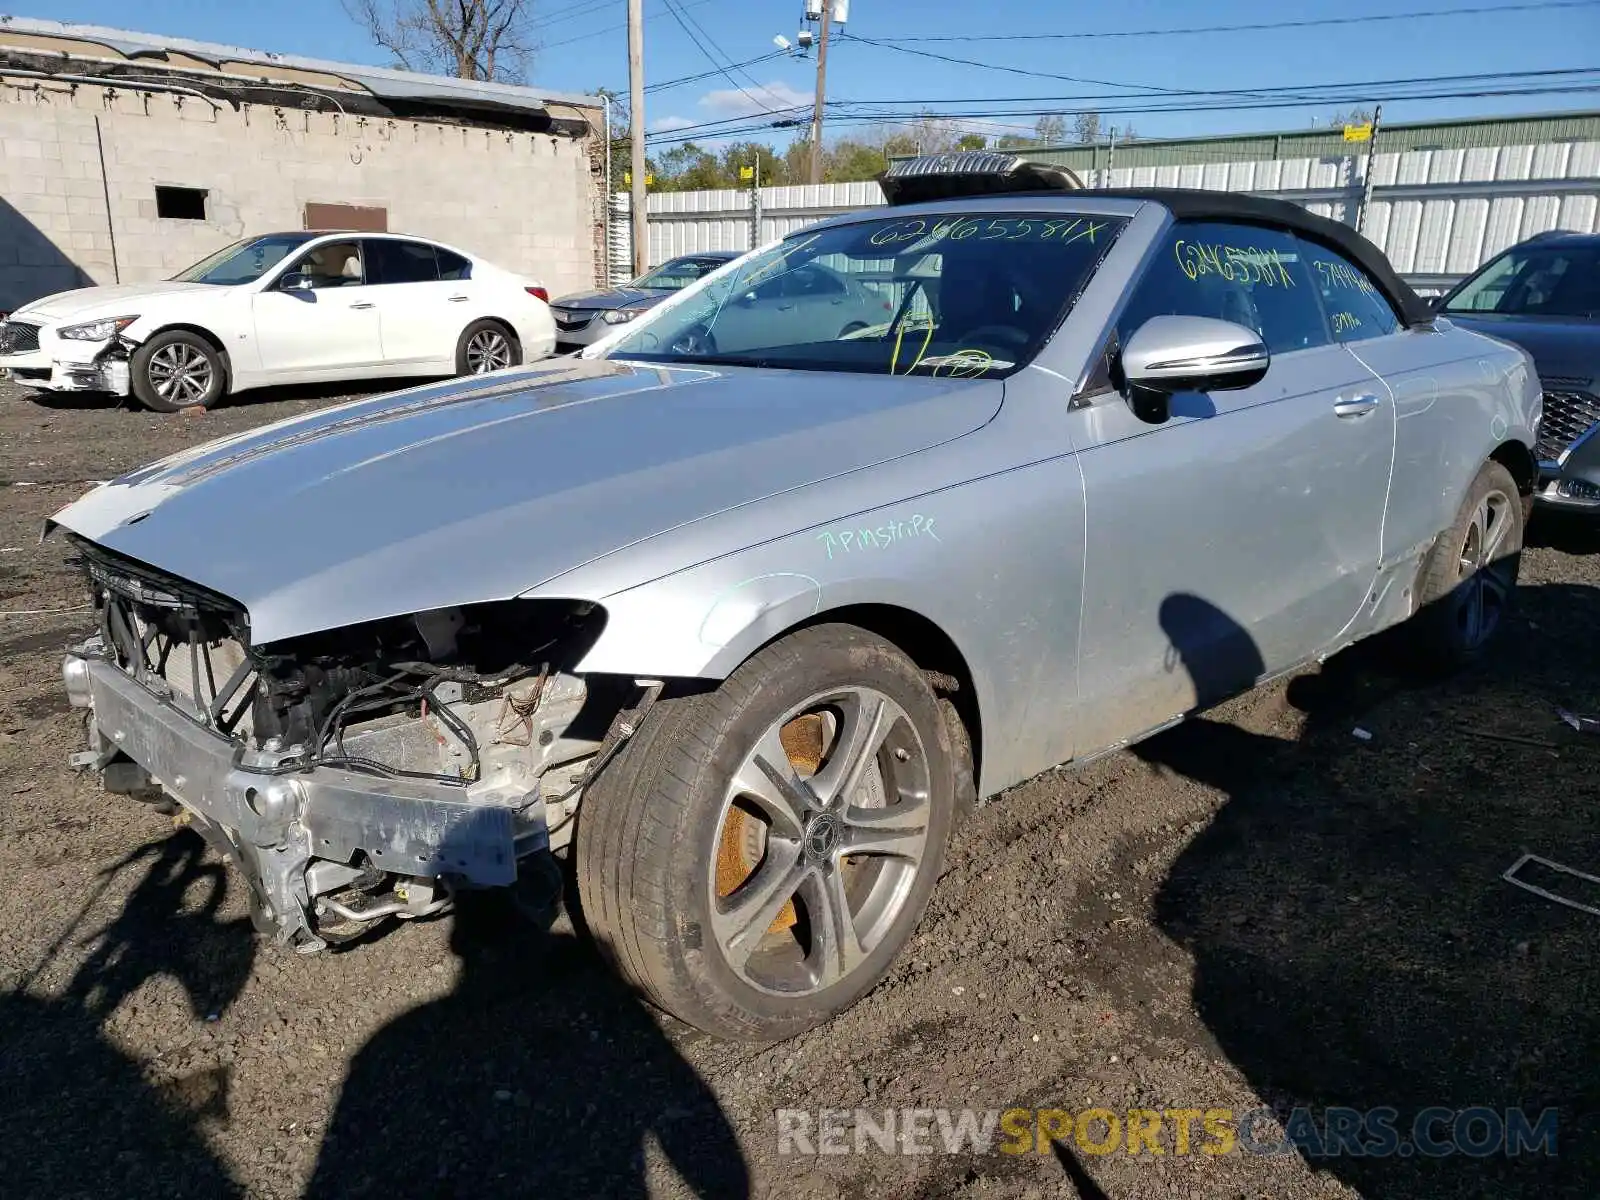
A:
612,298
1566,349
91,303
476,490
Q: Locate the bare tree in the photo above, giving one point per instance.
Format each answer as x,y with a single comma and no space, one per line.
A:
471,39
1086,127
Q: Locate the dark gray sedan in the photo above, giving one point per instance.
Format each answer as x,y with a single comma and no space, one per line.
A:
1544,295
583,318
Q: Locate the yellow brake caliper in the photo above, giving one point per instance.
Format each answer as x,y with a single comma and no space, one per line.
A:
743,839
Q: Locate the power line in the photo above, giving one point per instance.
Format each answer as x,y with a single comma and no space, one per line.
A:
969,62
1405,81
1363,90
1355,95
696,78
1255,26
762,105
583,37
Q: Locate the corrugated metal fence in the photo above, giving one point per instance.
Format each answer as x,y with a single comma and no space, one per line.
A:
1436,213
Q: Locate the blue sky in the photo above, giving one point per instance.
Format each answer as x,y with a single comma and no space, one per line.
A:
585,48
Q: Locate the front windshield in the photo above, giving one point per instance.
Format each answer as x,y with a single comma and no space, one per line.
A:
244,262
1549,281
949,294
677,274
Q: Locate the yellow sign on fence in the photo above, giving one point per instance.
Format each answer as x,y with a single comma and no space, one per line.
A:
1358,133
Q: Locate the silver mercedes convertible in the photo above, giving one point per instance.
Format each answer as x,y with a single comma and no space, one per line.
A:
739,611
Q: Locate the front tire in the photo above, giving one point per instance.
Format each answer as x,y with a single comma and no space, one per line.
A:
757,856
486,346
177,370
1469,578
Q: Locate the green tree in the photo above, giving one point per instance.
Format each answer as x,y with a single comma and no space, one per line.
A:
1050,131
688,167
774,167
971,141
850,161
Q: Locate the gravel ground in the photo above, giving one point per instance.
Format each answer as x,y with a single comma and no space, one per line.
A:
1257,909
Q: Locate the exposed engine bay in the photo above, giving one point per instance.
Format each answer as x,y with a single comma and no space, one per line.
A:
472,712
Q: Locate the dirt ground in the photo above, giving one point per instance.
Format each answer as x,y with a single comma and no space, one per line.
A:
1259,909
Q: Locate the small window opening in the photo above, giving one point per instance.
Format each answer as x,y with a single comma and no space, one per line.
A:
181,203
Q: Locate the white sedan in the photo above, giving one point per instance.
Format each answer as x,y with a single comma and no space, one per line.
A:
301,307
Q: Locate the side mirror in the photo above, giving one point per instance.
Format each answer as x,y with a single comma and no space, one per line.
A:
1170,354
296,281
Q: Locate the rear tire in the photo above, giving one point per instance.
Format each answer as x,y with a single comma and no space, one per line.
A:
711,855
485,346
177,370
1469,578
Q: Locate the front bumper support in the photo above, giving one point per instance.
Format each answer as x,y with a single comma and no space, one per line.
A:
277,827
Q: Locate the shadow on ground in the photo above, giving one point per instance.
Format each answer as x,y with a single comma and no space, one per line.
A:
78,1117
314,393
541,1074
1354,943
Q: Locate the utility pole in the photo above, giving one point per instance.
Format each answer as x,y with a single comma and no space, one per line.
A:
636,195
755,203
822,77
1366,174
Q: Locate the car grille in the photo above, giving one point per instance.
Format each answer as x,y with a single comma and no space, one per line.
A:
1568,415
17,337
570,321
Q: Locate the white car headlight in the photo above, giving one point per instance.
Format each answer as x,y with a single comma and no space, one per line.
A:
620,316
96,331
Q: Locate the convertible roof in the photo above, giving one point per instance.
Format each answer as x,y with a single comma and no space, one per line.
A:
1197,205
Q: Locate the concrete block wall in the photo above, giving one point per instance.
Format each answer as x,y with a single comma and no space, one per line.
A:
527,202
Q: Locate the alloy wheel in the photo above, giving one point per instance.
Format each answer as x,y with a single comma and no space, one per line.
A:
488,350
823,829
180,373
1487,574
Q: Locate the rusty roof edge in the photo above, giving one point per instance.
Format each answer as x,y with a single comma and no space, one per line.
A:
385,82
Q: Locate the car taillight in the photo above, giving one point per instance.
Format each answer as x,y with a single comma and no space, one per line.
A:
539,292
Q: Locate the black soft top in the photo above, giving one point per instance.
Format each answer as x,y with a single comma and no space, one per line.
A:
1196,205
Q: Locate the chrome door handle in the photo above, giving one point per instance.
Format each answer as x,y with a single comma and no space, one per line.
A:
1356,406
367,304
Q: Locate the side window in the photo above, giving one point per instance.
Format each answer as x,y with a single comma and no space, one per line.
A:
774,288
1356,308
1252,276
452,265
332,264
391,261
812,281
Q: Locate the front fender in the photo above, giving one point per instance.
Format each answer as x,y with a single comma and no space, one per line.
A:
703,622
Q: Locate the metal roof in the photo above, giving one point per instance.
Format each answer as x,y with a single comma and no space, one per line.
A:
1463,133
383,82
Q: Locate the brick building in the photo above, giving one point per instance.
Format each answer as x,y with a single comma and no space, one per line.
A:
126,157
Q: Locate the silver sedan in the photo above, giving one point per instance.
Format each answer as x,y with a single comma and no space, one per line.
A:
742,625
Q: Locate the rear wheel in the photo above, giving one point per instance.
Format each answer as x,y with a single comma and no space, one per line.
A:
176,370
757,856
1469,578
486,346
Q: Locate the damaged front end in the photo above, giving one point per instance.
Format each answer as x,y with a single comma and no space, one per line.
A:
352,774
76,367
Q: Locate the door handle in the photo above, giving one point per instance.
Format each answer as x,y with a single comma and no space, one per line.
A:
458,299
364,304
1355,406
